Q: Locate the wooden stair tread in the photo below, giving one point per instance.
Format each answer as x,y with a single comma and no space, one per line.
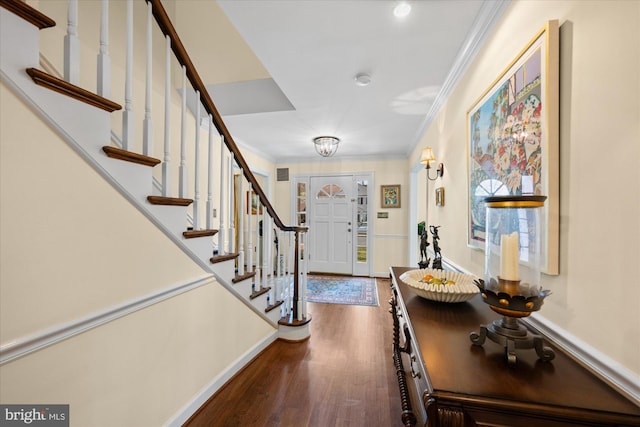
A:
221,258
273,306
256,294
290,321
242,277
28,13
58,85
130,156
169,201
190,234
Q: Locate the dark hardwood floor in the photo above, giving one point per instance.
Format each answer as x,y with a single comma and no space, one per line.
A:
342,376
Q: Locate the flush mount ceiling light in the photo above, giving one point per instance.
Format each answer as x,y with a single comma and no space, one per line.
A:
363,79
326,146
402,9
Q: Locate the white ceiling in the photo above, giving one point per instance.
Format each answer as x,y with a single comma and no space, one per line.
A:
313,49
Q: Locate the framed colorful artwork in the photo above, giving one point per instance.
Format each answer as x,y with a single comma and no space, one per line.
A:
512,139
390,197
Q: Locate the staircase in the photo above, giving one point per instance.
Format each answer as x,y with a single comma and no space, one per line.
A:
85,121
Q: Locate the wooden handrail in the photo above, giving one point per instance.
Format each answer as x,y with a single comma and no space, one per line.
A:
180,52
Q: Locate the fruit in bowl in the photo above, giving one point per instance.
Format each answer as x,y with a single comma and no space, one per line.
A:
436,281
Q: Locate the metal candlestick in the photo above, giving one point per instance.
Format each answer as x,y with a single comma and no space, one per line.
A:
507,331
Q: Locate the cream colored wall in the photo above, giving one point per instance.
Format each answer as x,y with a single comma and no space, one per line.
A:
389,235
200,24
72,246
596,294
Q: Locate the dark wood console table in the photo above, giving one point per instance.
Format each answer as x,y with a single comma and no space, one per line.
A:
448,381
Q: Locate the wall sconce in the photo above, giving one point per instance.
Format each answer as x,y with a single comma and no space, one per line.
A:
426,159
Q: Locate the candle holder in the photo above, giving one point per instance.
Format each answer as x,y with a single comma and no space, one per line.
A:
512,273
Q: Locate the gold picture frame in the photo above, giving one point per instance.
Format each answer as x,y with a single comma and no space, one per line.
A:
512,139
440,196
390,196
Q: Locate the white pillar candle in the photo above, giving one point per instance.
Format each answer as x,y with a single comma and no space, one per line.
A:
509,248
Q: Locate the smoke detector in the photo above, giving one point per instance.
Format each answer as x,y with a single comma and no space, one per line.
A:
363,79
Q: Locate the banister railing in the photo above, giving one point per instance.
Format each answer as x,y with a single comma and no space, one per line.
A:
181,55
290,237
167,28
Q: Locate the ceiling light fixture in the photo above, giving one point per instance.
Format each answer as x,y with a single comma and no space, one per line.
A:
402,9
363,79
326,146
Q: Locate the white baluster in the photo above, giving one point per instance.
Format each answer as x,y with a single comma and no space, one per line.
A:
271,253
279,277
182,188
104,61
286,273
264,249
209,207
278,270
240,226
147,133
257,269
258,249
166,170
250,230
72,45
221,231
127,114
196,171
230,194
270,250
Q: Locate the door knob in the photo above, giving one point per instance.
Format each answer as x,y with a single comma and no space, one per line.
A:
348,230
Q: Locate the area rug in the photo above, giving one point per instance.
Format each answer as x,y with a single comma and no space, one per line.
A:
342,290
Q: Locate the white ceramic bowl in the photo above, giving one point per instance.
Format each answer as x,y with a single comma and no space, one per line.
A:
463,290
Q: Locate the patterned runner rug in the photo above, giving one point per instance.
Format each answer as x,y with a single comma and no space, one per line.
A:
342,290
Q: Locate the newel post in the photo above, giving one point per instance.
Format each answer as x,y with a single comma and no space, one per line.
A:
297,312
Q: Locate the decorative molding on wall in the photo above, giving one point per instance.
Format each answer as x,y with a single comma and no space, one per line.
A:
390,236
216,384
24,346
610,371
607,369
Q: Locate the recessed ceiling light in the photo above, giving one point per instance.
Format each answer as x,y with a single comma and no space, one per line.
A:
363,79
402,9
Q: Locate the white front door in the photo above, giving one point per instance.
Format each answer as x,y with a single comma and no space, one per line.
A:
331,231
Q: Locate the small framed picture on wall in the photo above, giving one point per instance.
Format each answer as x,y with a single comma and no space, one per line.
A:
390,196
440,196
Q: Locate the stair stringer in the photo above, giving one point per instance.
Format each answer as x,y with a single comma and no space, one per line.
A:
80,126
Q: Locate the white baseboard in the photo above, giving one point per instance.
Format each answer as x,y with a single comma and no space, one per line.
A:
607,369
210,389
